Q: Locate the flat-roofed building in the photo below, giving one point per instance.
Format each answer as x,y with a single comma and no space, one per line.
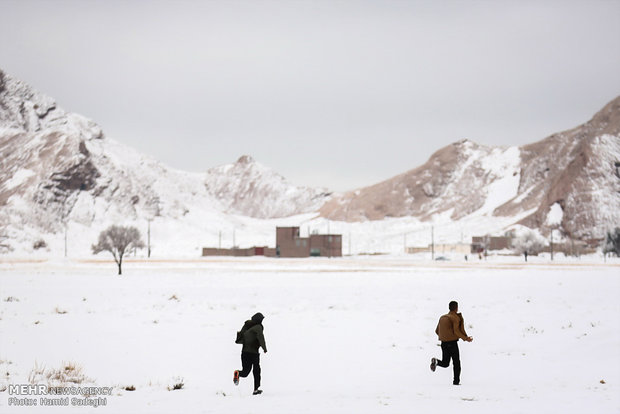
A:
288,244
327,245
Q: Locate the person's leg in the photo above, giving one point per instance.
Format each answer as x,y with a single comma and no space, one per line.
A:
445,355
256,371
456,360
246,363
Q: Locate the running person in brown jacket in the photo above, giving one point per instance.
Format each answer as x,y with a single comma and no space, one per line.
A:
450,328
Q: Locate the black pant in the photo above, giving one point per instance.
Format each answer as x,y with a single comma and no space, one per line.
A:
251,362
450,350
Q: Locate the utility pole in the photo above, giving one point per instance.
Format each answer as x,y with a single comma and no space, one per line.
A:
405,242
433,242
219,245
234,239
148,237
551,244
349,243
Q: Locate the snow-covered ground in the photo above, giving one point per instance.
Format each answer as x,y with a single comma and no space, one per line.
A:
349,335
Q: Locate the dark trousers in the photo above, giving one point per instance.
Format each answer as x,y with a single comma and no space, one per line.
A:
450,350
251,362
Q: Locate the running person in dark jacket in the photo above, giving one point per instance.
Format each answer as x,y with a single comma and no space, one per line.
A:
252,338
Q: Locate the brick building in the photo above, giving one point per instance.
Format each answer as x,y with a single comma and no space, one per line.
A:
251,251
327,245
482,243
288,244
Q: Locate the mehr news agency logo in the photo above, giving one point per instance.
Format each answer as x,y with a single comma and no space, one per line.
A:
57,396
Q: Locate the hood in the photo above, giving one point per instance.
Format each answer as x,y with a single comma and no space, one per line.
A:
258,317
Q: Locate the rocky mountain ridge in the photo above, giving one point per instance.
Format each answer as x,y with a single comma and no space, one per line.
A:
58,168
577,169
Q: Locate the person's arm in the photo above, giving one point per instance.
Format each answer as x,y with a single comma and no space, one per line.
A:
456,327
261,338
461,331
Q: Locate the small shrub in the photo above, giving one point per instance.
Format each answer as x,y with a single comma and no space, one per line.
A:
68,373
36,373
11,299
177,384
612,242
130,388
39,244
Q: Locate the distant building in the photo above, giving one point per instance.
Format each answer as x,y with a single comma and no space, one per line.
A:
327,245
441,248
251,251
288,244
481,243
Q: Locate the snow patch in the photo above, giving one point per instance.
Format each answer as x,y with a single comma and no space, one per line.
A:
555,215
505,166
18,178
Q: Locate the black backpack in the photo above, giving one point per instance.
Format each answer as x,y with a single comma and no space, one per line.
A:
247,325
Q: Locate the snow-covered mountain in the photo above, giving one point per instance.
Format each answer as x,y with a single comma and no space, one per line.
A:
59,173
577,170
58,167
251,189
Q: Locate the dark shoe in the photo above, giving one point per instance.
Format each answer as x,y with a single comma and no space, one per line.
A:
236,377
456,383
433,364
257,392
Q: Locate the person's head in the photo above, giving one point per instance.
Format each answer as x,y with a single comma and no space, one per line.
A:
453,306
258,317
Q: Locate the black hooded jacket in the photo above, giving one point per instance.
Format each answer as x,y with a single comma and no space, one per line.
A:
253,337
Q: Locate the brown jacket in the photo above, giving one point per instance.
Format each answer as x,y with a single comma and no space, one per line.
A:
451,327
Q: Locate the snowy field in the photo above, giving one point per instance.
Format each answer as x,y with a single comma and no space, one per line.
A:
350,335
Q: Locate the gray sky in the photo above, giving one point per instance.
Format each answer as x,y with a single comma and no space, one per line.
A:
340,94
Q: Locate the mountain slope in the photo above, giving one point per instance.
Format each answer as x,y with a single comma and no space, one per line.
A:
577,169
251,189
57,167
58,170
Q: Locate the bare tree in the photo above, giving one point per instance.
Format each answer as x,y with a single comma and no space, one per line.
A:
527,242
612,242
118,240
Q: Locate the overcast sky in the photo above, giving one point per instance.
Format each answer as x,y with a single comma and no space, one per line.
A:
338,94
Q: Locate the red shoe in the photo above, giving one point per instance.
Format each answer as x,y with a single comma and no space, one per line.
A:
236,377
